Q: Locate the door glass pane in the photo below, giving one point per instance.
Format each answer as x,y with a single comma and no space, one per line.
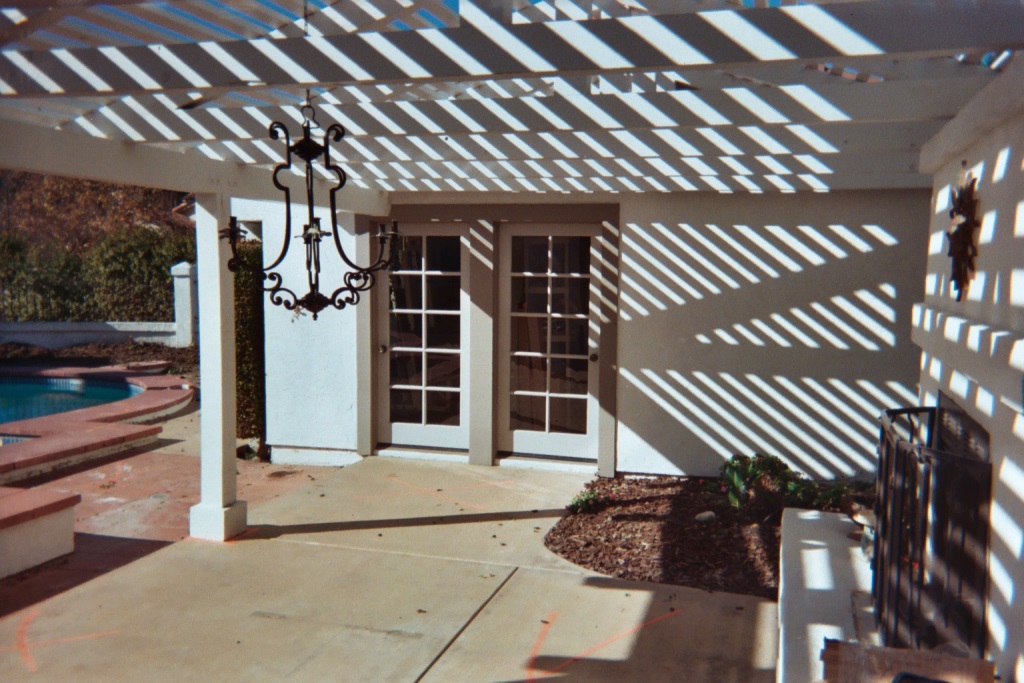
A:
411,256
569,375
442,407
528,413
443,331
570,255
414,293
529,374
570,295
406,368
442,370
529,254
406,406
530,294
406,292
407,330
568,415
443,253
530,334
569,336
550,321
443,292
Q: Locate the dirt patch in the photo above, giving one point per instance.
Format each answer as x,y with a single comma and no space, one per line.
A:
646,529
184,362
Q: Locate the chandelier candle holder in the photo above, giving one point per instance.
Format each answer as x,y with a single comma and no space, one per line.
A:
357,279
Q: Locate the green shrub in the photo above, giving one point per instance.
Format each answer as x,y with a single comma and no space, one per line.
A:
589,500
764,482
249,345
123,277
127,273
39,282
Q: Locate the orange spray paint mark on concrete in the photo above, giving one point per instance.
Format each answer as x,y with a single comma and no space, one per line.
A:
572,660
418,491
22,642
537,644
433,493
24,646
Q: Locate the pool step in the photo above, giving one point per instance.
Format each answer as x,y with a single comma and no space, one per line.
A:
69,443
56,441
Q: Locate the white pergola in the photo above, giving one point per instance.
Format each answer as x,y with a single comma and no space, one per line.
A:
520,95
510,96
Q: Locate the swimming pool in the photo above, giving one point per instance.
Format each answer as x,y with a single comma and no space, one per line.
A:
22,398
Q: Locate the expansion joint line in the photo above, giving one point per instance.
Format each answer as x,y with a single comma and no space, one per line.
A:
469,621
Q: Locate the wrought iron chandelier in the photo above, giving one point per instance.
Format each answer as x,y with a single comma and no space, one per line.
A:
356,280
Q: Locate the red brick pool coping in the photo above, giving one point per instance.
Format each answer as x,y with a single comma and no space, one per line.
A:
71,437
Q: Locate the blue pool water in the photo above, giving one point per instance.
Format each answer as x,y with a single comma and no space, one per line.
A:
22,398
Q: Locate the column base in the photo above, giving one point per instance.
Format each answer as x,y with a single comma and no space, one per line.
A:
215,523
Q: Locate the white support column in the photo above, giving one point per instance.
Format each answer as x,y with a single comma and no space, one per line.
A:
479,360
364,342
218,516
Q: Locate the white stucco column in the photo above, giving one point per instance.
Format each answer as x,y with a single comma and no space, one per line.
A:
479,359
218,516
363,313
186,298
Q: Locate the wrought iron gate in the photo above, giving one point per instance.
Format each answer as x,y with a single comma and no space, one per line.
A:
931,544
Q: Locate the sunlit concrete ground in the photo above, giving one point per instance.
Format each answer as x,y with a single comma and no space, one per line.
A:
388,570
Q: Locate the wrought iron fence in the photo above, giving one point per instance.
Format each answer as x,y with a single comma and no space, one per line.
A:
930,562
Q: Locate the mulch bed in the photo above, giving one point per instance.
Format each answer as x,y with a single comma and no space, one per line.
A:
648,532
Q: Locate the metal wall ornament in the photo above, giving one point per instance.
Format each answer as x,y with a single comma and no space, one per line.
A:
962,247
356,280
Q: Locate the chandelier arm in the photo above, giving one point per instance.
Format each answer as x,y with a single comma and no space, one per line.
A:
335,132
355,283
279,294
276,130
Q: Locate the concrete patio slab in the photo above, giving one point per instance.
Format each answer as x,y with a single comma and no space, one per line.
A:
426,508
593,628
371,573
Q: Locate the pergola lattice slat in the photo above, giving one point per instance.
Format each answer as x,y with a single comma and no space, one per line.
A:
917,29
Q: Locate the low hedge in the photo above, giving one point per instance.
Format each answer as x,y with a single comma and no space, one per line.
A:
123,277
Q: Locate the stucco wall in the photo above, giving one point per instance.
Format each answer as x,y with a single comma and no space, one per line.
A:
775,324
311,365
973,350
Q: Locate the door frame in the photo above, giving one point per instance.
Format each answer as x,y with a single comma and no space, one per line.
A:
484,222
549,444
432,437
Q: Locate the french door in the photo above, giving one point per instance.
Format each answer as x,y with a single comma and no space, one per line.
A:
421,383
548,341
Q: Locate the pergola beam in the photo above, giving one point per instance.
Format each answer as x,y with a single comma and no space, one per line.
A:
43,150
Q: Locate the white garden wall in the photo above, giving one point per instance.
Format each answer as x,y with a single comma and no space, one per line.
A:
774,324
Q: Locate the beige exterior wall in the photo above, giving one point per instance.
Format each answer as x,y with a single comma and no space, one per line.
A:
973,350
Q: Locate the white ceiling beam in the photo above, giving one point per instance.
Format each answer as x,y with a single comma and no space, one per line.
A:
721,39
669,164
824,141
740,107
1002,101
624,183
41,150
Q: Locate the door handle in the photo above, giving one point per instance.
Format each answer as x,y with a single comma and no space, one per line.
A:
383,348
593,358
